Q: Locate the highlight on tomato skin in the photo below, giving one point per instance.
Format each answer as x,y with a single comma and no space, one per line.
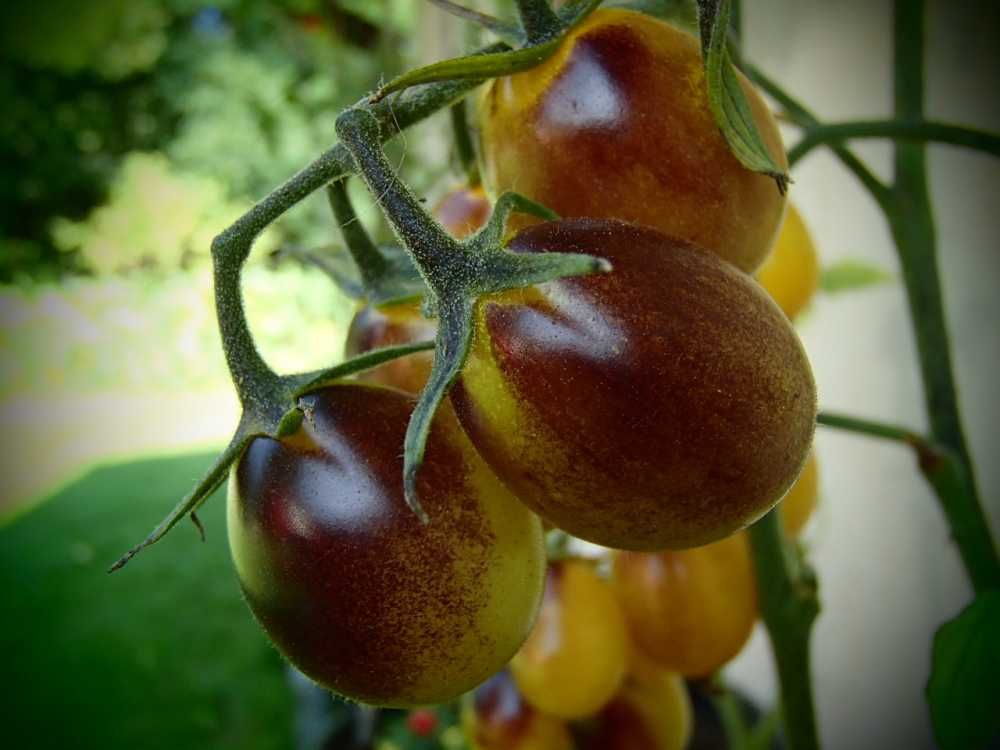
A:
500,719
790,273
348,583
666,404
689,611
616,124
574,660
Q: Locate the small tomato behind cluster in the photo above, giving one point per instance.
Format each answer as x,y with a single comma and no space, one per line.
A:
500,719
574,659
790,274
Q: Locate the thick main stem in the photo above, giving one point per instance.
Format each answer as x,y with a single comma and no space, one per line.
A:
912,225
789,606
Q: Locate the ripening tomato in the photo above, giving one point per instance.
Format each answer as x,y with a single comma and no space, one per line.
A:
574,660
790,274
500,719
350,586
668,403
400,323
693,610
616,124
463,210
798,505
651,713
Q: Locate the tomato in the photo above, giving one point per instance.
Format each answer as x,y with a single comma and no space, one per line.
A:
791,272
350,586
617,125
463,210
798,505
690,611
400,323
668,403
574,660
652,713
500,719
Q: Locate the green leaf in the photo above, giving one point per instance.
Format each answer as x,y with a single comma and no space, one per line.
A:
725,96
849,275
962,691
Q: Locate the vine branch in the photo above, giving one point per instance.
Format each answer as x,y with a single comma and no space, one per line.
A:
903,130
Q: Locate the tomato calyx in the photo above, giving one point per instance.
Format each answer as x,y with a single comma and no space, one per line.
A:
457,272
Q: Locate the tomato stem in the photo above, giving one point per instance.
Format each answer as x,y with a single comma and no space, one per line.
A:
463,143
371,263
539,21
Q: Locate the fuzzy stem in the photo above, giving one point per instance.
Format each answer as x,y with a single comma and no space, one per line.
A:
438,257
789,607
539,21
370,261
912,225
901,130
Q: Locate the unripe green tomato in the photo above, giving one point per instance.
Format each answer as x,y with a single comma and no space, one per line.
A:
790,273
574,659
650,713
690,611
500,719
616,124
348,583
668,403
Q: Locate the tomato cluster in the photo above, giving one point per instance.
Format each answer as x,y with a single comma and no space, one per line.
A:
658,409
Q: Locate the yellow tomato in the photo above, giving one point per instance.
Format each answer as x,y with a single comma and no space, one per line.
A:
574,659
690,610
790,274
800,502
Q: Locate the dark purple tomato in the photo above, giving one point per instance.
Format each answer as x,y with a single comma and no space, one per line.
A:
666,404
347,582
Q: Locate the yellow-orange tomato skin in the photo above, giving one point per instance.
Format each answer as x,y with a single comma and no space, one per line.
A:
574,660
799,504
616,124
463,210
690,611
499,718
790,274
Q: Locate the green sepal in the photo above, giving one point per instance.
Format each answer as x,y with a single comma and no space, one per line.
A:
335,262
962,692
253,425
850,275
507,31
726,98
208,484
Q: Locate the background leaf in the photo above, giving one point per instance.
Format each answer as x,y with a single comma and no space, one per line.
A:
962,691
848,275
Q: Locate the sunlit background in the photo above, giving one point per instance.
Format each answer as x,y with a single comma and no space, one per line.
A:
134,130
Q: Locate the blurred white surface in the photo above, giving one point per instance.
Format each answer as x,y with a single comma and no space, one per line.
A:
889,575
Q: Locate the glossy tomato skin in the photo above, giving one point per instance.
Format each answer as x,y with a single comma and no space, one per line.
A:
790,273
668,403
350,586
690,611
617,125
400,323
648,714
463,211
500,719
574,660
